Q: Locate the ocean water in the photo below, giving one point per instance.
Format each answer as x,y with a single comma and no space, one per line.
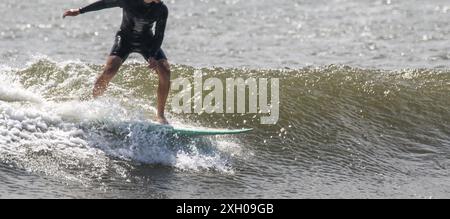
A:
364,111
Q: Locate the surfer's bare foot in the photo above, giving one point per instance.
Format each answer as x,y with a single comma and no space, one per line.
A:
162,120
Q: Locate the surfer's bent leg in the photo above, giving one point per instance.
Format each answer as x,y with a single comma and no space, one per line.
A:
119,53
162,68
112,67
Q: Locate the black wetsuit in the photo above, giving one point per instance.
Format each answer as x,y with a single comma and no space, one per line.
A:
136,32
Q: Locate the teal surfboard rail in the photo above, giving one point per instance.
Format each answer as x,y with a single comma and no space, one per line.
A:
186,131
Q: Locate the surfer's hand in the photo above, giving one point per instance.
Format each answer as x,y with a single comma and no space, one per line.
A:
71,13
152,63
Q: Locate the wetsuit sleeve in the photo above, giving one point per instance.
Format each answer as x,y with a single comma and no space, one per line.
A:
102,4
159,31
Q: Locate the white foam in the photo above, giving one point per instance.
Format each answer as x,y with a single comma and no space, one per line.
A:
10,91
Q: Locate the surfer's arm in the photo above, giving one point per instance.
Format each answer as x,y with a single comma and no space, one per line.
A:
99,5
159,31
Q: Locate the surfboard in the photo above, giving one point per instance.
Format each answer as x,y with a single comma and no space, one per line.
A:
192,132
123,128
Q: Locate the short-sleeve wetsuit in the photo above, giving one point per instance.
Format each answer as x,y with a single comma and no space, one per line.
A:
136,32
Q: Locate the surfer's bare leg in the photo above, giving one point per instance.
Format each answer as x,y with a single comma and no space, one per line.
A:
162,68
113,64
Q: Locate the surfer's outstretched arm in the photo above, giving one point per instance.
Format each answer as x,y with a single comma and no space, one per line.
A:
96,6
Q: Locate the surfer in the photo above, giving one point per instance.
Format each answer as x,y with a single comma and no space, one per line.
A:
136,35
